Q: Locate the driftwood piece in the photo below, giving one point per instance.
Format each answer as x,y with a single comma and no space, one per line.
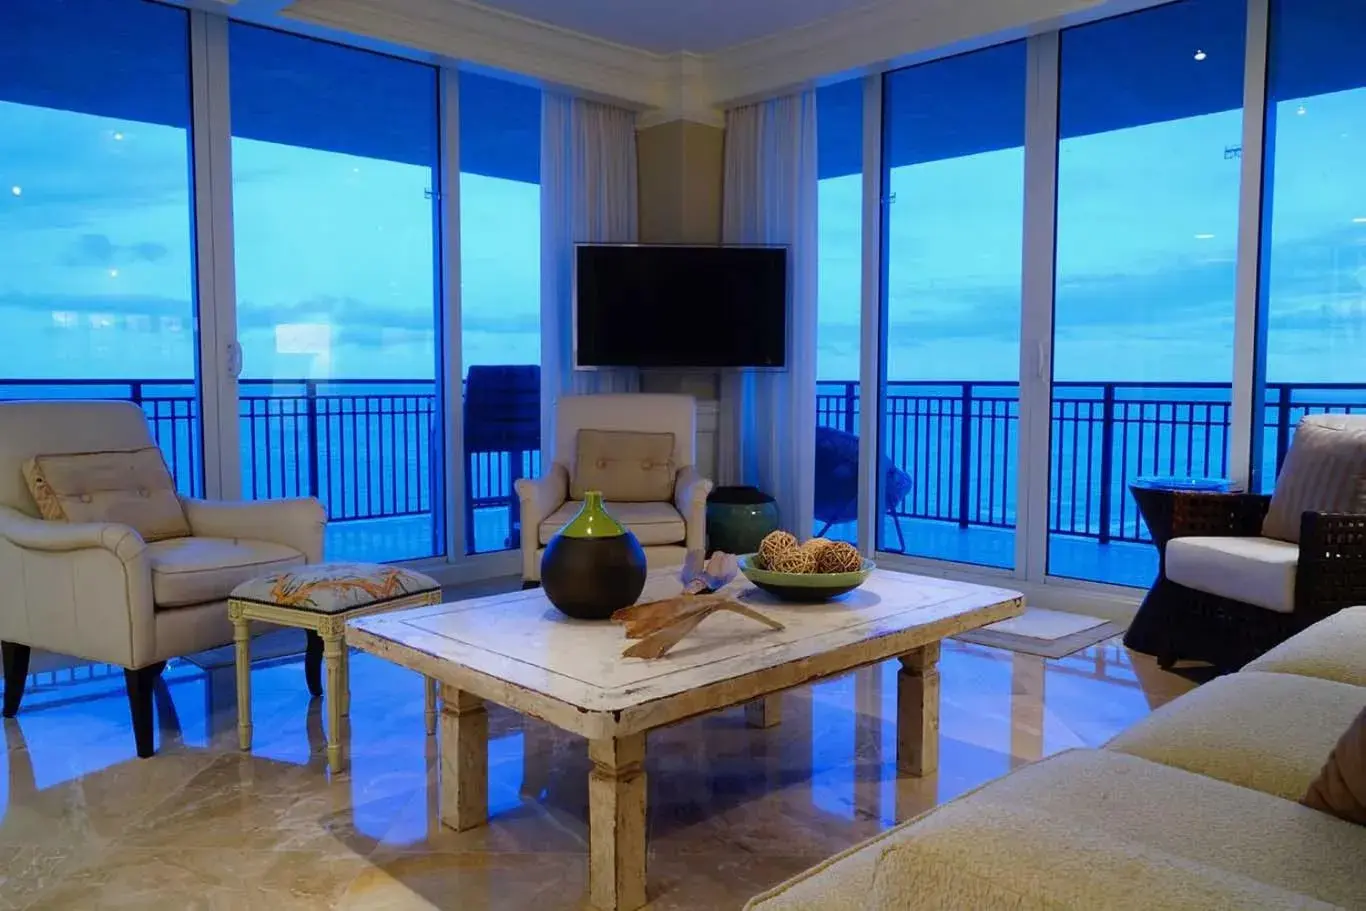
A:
660,625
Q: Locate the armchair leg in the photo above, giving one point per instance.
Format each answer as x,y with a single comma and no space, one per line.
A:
15,659
528,584
141,684
313,663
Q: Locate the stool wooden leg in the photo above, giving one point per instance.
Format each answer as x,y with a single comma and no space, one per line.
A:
346,680
241,637
333,644
429,684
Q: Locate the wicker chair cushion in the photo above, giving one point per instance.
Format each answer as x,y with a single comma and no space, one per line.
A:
1258,571
1325,471
335,588
1340,788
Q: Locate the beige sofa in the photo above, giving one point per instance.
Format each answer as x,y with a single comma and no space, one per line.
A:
1194,807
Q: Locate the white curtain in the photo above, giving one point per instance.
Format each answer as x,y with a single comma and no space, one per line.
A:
588,195
768,419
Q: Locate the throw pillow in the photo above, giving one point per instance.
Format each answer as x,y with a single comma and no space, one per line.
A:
131,487
1324,471
627,466
1340,788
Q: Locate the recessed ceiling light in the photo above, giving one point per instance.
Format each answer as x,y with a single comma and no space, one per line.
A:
118,137
16,190
113,273
1204,237
1301,110
1200,55
1359,221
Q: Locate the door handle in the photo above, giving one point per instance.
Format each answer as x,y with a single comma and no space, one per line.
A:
234,359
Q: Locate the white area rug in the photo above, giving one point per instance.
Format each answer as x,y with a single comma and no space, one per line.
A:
1046,633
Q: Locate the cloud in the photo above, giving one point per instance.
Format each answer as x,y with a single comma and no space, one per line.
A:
99,251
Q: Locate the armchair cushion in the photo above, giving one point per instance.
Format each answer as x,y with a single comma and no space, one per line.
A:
128,487
1325,471
625,465
653,524
1259,571
189,571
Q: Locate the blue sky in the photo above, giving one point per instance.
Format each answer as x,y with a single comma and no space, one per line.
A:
335,256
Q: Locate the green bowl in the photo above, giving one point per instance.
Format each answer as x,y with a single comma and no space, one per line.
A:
804,587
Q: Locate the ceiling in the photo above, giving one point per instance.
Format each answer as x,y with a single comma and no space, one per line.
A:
670,26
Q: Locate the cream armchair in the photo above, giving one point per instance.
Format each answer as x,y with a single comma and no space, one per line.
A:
97,590
668,529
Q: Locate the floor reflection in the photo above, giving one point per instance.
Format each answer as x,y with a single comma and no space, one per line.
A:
732,809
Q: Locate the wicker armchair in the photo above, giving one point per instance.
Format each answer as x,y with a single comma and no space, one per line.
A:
1236,581
1329,575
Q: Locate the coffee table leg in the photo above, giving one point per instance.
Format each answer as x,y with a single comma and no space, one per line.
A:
616,823
917,694
765,712
464,760
429,686
336,693
241,637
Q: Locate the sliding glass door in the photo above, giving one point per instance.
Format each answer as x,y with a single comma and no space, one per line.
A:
336,182
97,287
953,204
1150,128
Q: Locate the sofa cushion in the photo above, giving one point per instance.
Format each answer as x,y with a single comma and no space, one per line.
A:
1324,471
1340,787
653,524
130,487
198,570
1269,732
1259,571
1333,649
1098,823
626,466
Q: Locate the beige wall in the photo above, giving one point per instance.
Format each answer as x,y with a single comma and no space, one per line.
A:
680,166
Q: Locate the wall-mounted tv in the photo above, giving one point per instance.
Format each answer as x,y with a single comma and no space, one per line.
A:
680,306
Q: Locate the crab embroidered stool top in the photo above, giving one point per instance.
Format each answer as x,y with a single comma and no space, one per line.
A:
320,599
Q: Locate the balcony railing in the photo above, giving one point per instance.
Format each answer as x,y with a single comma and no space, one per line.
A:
367,447
959,443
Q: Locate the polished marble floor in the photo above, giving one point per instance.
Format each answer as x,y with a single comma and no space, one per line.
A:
732,810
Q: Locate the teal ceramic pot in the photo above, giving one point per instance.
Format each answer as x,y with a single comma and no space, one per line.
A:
738,518
593,566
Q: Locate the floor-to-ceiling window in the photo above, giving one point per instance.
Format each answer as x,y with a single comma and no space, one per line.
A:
97,295
1150,124
336,183
953,201
839,137
1313,288
500,302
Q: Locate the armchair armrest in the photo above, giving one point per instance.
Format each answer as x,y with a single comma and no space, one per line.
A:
537,499
297,522
1331,572
79,588
690,499
29,533
1197,514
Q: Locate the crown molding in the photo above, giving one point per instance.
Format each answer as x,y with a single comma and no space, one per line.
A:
884,36
688,94
465,32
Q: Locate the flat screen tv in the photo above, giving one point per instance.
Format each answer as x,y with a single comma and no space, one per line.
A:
680,306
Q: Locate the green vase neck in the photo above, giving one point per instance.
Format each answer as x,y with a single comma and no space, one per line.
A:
593,521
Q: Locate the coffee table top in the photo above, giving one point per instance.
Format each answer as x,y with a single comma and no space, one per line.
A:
517,650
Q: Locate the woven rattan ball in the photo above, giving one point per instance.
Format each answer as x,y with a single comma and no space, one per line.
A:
774,544
794,560
817,546
840,557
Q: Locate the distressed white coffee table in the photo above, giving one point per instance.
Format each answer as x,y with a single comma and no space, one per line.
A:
516,650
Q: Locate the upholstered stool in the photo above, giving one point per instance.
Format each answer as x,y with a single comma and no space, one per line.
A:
320,599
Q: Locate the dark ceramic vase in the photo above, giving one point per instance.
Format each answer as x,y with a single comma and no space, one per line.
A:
593,566
738,518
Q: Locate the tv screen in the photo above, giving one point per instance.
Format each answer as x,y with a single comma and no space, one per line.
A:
681,306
